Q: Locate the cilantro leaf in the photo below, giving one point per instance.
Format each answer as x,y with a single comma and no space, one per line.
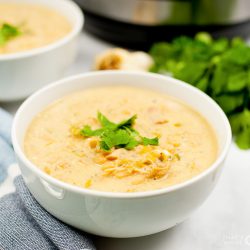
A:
121,135
132,143
113,138
241,128
104,120
230,102
104,146
219,67
203,83
237,81
87,131
150,141
8,32
243,139
190,72
128,123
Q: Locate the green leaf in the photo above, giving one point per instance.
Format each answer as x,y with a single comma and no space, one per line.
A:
181,42
191,72
243,139
240,121
240,124
235,124
219,80
239,55
127,123
116,138
202,84
230,102
104,120
119,138
237,82
238,41
248,80
161,51
104,146
132,143
121,135
150,141
8,32
219,67
220,45
204,37
87,131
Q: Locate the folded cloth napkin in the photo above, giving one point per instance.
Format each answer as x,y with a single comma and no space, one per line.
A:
24,224
6,151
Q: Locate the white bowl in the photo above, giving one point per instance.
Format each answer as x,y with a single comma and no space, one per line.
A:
120,214
24,72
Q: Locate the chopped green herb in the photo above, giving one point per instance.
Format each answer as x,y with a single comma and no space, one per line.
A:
128,123
104,121
148,141
132,143
7,32
120,135
220,67
87,131
241,127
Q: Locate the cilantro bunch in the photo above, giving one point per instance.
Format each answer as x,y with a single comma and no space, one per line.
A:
221,68
120,135
8,32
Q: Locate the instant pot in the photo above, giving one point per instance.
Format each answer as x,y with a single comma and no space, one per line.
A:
139,23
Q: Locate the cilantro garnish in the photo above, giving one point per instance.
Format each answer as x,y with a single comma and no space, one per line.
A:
8,32
241,127
118,135
219,67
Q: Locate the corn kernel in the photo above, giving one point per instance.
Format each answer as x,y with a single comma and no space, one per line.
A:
88,183
93,143
47,170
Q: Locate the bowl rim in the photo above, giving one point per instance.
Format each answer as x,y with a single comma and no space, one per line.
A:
76,29
121,195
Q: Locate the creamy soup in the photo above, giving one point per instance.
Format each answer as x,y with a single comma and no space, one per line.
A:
187,144
38,26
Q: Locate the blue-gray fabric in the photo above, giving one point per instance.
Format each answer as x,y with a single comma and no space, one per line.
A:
24,224
6,151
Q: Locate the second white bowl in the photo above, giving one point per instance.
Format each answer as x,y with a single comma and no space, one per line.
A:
23,73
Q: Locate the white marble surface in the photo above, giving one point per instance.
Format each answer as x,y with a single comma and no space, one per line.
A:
223,221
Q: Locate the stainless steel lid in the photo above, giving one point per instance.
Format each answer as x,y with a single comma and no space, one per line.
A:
177,12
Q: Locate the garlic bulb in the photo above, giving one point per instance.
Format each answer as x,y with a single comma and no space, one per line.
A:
122,59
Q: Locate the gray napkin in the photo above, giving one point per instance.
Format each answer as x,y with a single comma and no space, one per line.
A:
25,225
6,151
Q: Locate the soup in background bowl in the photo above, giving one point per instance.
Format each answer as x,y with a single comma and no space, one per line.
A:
37,25
119,214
